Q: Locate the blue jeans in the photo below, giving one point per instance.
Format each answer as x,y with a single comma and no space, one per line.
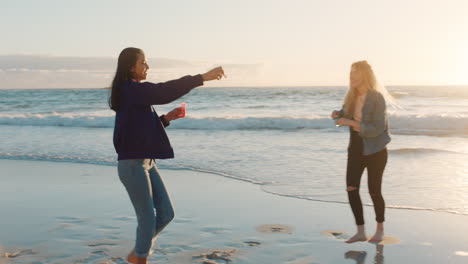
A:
147,192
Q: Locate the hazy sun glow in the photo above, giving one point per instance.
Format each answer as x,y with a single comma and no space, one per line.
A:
274,42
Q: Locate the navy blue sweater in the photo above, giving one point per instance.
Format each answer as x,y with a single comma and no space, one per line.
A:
138,131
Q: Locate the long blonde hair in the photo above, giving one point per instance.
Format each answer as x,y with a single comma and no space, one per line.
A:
369,80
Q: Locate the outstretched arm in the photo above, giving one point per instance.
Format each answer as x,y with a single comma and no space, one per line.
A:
148,93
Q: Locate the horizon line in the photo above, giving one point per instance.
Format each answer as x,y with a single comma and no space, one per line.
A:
250,86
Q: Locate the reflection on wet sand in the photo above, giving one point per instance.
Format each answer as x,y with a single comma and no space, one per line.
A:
360,256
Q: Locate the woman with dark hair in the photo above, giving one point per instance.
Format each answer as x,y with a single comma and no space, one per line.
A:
140,138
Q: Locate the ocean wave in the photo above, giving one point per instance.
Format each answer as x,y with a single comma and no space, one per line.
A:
429,122
399,94
209,123
422,151
433,125
414,125
253,123
58,158
58,119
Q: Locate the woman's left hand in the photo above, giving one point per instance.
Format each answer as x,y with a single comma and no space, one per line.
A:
174,114
348,122
343,122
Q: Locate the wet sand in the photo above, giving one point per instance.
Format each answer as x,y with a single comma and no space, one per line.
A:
79,213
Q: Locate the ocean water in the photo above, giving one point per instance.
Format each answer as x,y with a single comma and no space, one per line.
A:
279,138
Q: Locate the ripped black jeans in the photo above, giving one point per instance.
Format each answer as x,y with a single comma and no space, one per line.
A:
375,164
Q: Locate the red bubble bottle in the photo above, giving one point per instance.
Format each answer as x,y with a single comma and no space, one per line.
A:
183,106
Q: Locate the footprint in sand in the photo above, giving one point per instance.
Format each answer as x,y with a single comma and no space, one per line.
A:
336,234
341,235
67,222
252,243
101,256
19,253
124,218
275,229
306,260
70,219
62,226
389,240
215,230
183,220
211,258
99,252
103,243
108,227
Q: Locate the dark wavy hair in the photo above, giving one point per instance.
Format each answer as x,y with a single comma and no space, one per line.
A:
127,59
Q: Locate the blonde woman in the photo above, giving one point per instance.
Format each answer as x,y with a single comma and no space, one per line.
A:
364,112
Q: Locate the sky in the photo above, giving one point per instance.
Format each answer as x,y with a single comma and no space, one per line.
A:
75,44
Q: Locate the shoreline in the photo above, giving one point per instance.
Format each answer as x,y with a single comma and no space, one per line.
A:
232,177
58,212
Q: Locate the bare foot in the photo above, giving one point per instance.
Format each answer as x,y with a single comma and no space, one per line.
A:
359,236
132,258
378,237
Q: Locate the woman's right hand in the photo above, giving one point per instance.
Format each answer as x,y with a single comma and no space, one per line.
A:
176,113
215,74
335,114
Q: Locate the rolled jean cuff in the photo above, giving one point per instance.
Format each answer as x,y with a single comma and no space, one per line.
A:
145,255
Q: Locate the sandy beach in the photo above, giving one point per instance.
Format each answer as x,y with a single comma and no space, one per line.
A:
57,212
